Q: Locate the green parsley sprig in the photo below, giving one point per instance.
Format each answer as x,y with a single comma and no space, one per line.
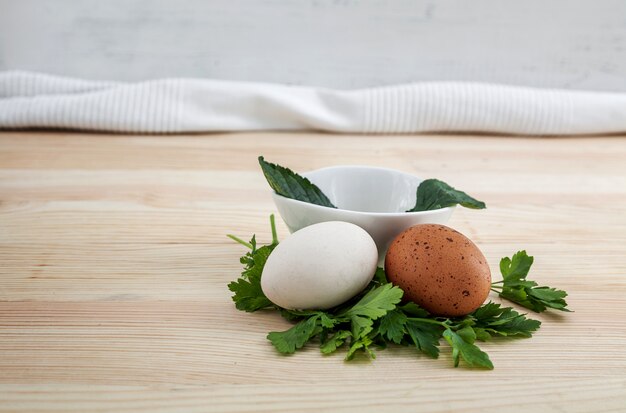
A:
376,317
516,288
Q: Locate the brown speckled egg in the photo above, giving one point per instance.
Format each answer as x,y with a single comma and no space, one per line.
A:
439,269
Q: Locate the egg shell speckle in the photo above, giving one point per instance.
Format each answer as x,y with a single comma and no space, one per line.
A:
439,269
320,266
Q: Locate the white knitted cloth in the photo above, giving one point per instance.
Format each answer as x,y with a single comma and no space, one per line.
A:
195,105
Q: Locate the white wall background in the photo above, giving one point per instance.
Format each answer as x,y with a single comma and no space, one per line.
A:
574,44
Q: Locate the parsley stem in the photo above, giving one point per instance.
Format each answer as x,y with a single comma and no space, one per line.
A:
429,321
496,291
239,240
497,282
273,225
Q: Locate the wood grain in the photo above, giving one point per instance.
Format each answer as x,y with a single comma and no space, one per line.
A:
114,265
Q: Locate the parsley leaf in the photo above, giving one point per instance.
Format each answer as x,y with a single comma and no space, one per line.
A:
516,288
414,310
503,321
326,320
248,293
362,343
436,194
336,341
516,268
392,326
487,311
291,185
471,354
425,336
361,326
289,341
376,302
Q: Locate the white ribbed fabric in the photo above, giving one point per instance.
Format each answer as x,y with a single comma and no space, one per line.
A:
196,105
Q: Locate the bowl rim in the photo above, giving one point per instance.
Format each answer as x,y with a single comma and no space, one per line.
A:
362,213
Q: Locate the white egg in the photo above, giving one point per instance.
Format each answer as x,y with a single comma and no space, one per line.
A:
320,266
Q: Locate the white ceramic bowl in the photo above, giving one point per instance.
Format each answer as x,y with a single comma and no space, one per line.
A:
373,198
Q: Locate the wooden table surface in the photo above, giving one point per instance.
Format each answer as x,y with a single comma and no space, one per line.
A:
114,264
